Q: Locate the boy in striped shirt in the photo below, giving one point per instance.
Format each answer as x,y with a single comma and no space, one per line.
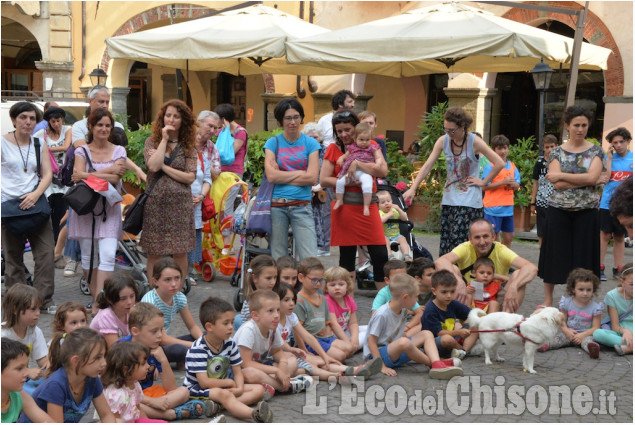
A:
213,368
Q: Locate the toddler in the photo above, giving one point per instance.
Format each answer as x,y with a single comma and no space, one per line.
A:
20,314
342,307
483,271
72,382
389,211
15,358
617,331
167,279
583,314
69,316
115,301
363,150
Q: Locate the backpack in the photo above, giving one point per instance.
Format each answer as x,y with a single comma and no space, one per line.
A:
65,173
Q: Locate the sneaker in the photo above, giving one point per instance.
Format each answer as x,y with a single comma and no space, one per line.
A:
407,258
60,262
618,349
594,350
602,275
366,370
300,383
70,269
458,354
211,408
451,362
617,272
191,409
439,370
323,253
262,413
218,419
269,392
51,309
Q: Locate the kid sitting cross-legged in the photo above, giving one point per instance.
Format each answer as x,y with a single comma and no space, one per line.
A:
15,358
617,332
483,272
213,362
260,345
167,401
441,317
386,339
313,312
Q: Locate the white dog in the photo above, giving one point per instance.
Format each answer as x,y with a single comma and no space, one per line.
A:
533,332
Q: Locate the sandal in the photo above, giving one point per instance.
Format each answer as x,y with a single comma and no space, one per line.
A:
194,408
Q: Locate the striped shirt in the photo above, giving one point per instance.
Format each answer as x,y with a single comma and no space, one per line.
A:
201,358
179,302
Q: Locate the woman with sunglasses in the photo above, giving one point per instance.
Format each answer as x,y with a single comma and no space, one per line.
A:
349,226
462,200
292,165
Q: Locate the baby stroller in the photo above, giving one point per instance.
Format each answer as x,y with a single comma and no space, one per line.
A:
253,245
215,252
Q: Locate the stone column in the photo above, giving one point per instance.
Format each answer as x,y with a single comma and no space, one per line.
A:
60,73
119,100
476,101
271,99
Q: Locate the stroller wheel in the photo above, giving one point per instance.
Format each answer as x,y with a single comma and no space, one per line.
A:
235,279
238,299
208,271
83,286
187,285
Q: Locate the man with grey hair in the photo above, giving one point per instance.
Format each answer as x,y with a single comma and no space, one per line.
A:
98,98
208,125
481,244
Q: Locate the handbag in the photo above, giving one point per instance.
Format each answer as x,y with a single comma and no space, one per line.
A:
133,219
66,172
21,222
55,168
81,197
225,145
208,209
259,220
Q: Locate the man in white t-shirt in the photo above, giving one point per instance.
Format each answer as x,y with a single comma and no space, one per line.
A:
481,244
342,100
98,98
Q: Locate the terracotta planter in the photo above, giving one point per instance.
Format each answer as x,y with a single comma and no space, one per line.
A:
133,190
420,215
522,219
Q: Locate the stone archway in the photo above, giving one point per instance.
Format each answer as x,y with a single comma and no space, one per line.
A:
595,31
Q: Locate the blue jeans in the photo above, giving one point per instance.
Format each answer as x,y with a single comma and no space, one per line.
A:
301,220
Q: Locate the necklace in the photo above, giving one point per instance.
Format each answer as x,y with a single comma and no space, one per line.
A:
24,161
76,393
458,146
213,347
7,404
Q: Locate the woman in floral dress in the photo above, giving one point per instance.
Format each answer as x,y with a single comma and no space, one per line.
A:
168,218
572,230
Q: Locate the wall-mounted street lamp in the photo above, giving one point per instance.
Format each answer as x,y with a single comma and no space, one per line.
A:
542,79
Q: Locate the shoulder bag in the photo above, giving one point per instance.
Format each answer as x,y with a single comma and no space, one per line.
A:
259,218
81,197
21,222
208,209
133,219
225,145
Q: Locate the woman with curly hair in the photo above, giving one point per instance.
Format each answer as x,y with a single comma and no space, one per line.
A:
168,219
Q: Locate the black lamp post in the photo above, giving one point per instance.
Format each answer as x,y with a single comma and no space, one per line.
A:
98,77
542,79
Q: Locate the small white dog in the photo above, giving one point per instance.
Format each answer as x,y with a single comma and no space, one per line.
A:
533,332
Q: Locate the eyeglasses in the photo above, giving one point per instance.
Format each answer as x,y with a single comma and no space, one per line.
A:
317,280
451,132
292,118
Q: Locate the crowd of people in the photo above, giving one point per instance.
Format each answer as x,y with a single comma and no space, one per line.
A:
298,321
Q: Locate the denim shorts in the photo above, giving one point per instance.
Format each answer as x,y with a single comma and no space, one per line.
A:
325,343
383,353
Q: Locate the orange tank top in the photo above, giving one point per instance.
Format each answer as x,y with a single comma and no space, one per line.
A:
502,195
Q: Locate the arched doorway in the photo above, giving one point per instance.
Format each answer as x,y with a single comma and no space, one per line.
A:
20,51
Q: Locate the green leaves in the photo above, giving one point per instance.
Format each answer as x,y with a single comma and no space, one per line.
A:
255,162
524,154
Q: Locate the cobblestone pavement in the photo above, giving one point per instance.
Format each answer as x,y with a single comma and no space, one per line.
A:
569,386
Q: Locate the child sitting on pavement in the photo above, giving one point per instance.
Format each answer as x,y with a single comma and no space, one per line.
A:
260,346
441,317
422,270
390,211
617,332
213,366
483,272
386,338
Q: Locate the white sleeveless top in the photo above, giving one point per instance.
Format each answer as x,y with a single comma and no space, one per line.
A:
458,168
15,182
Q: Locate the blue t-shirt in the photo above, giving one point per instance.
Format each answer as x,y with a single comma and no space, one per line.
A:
292,157
621,169
436,320
505,210
55,389
154,364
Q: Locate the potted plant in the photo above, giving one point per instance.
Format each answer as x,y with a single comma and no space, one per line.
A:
523,154
134,151
255,162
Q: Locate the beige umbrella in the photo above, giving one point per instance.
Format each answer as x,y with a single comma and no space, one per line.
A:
448,37
241,42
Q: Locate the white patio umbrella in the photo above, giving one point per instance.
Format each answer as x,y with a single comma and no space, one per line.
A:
241,42
448,37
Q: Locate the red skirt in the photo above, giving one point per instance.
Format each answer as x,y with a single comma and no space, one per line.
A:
349,226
